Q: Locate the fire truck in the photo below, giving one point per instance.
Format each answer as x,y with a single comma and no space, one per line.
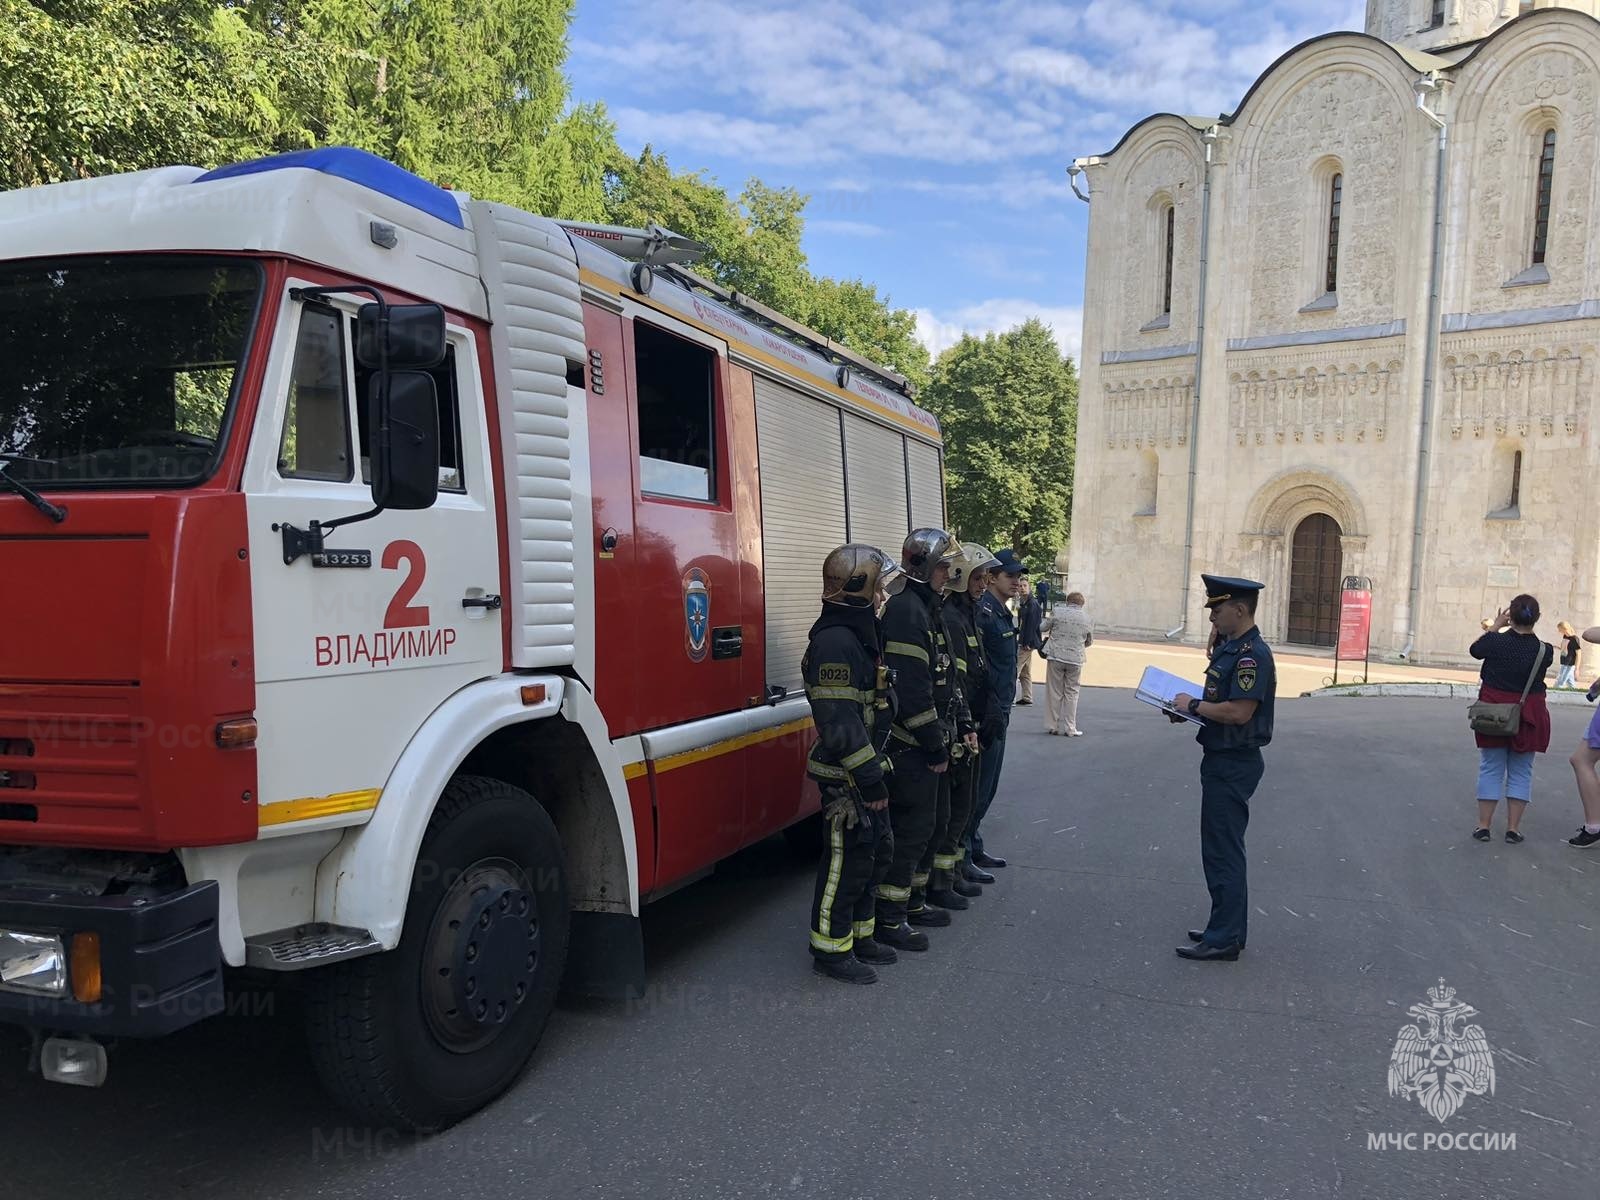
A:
401,589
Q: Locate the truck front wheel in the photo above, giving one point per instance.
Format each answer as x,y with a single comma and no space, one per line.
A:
430,1032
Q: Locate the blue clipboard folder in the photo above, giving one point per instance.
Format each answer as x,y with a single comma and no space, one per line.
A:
1158,689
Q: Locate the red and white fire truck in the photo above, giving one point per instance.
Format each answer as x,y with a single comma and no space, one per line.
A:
396,587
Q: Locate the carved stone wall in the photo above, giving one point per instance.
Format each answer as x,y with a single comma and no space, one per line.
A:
1148,410
1515,385
1171,171
1349,115
1407,22
1546,85
1313,396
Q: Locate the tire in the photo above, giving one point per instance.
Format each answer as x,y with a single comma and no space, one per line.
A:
805,836
394,1036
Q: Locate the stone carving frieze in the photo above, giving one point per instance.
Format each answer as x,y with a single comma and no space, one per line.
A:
1288,401
1148,412
1348,115
1516,391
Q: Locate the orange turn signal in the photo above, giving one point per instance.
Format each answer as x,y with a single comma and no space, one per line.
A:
533,693
85,961
234,735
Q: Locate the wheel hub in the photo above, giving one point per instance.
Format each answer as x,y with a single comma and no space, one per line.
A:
482,956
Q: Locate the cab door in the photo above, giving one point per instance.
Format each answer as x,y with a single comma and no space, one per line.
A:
354,653
688,611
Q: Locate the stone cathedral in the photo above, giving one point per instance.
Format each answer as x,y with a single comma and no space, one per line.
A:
1351,329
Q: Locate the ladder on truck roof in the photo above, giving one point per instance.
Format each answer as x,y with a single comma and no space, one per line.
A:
656,247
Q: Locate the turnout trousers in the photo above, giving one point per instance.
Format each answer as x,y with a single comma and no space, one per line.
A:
963,776
854,862
930,860
1228,779
913,809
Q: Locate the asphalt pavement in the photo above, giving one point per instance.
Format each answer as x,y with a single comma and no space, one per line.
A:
1050,1044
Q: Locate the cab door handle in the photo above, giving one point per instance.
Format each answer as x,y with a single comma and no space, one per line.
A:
489,602
727,642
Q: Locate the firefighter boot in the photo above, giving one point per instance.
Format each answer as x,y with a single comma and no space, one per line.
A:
846,969
961,886
940,892
918,913
901,937
869,951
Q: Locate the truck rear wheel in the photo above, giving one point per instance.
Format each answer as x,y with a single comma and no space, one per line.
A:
428,1033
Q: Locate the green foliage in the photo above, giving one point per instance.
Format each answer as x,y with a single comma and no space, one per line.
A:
470,96
1009,407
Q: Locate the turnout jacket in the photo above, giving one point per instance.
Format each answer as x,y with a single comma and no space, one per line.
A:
911,650
840,668
961,634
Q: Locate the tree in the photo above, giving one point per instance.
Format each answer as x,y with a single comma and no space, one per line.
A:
1008,404
754,247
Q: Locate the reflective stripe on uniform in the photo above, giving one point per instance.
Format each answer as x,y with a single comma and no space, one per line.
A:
824,770
919,879
888,891
865,929
971,640
961,665
830,889
839,693
944,862
832,945
860,758
907,649
925,717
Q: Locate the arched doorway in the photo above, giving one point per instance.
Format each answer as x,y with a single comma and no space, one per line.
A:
1314,572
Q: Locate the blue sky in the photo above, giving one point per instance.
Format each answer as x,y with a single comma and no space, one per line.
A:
933,137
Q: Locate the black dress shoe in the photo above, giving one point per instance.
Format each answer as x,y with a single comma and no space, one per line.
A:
1205,953
987,860
1197,936
974,874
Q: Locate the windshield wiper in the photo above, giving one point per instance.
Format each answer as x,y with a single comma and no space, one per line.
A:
54,511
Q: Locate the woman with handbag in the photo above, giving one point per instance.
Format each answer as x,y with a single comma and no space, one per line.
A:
1510,720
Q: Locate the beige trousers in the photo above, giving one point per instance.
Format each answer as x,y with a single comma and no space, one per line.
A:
1025,675
1061,696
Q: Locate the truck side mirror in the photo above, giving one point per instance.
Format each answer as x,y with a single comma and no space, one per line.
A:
416,339
405,440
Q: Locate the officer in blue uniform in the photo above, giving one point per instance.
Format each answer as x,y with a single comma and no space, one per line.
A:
1237,709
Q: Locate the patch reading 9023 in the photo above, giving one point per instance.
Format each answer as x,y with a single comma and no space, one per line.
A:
343,558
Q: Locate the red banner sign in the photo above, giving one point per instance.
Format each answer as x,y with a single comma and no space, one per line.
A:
1355,623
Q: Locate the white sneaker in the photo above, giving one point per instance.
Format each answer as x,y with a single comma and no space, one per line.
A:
1074,733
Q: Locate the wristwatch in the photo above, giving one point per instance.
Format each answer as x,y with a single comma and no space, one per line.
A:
1194,707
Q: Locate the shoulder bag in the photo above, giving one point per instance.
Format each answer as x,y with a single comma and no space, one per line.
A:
1503,720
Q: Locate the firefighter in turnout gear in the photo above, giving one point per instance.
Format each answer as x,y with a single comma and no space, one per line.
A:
850,702
969,576
933,880
917,743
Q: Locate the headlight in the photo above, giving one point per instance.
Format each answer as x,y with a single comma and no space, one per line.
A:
32,962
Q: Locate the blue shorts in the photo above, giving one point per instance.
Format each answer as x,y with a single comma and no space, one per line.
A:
1592,736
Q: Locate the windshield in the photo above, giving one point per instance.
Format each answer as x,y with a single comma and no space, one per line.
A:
120,371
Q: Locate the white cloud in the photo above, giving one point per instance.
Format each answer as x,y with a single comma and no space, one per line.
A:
976,82
848,228
938,332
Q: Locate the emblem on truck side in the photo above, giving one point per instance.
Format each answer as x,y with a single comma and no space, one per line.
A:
696,613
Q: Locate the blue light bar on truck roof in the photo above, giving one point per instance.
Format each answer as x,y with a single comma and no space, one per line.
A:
359,167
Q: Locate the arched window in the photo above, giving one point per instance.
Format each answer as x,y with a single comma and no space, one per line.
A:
1169,226
1542,192
1437,19
1335,200
1505,497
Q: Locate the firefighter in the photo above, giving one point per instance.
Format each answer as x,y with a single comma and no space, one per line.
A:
850,702
930,883
969,576
917,743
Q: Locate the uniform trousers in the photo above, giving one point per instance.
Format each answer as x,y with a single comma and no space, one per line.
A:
854,862
913,809
936,836
1061,695
989,764
1228,779
963,775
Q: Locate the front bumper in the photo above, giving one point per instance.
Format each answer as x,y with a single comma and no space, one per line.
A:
160,961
